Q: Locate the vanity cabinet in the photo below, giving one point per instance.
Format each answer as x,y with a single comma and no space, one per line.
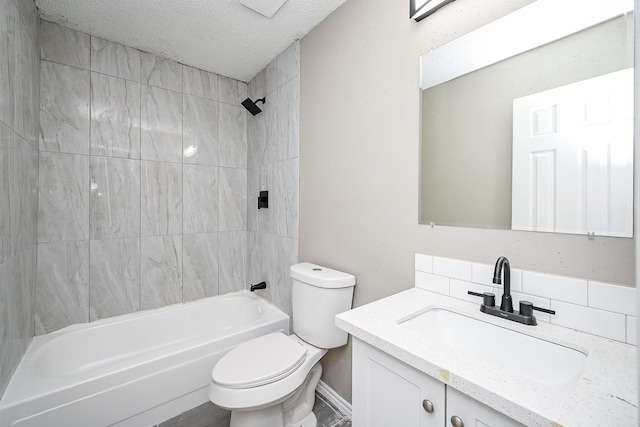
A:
388,392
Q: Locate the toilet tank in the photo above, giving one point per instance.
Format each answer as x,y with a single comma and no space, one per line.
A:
318,294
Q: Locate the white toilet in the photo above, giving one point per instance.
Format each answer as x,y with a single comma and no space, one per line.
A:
270,381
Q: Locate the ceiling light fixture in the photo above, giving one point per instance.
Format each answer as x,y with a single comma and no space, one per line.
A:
420,9
267,8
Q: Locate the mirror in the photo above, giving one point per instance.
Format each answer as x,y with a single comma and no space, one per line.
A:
512,88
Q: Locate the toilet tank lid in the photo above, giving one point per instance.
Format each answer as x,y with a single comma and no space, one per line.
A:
321,277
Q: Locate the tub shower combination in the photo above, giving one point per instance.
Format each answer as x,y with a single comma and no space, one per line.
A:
136,369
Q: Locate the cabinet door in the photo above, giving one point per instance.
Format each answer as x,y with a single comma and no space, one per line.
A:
387,392
473,413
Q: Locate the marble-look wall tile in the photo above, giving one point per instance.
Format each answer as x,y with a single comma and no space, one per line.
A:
261,263
23,195
8,20
288,201
161,198
275,144
200,131
115,59
200,83
115,198
64,108
288,63
161,267
256,88
233,136
200,193
6,171
27,63
256,140
233,261
115,117
292,92
286,256
63,197
62,287
114,267
268,181
160,72
233,199
253,191
231,91
64,45
161,124
10,353
200,265
271,76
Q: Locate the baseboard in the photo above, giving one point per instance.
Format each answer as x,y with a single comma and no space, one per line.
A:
334,398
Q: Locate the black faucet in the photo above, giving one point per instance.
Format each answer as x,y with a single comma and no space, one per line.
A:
503,264
525,315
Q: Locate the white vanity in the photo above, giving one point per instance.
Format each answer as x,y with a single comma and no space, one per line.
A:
416,364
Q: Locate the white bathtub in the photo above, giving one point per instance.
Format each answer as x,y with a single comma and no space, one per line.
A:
133,370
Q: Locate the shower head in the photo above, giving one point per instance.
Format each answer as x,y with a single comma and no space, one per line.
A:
252,106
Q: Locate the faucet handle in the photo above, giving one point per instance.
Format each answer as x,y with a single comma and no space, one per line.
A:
488,298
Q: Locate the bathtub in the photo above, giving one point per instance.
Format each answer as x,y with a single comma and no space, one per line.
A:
137,369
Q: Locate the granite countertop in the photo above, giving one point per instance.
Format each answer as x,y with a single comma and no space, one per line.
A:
605,394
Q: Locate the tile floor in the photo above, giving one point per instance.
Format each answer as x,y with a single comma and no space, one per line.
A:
328,415
208,415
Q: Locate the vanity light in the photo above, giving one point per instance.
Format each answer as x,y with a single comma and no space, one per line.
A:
420,9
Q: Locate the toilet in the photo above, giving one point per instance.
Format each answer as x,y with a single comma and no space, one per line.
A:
271,380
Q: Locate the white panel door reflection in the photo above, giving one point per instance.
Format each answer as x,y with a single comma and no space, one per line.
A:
573,158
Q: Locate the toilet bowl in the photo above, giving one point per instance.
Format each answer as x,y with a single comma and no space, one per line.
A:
270,381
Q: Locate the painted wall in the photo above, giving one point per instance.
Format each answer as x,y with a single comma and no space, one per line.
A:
19,101
144,172
359,162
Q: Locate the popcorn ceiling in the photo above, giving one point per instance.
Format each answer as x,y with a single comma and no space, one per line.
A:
220,36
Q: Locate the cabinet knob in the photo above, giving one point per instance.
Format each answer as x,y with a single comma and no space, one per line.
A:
456,421
427,405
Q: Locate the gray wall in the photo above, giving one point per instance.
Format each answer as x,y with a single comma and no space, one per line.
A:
144,175
359,162
19,100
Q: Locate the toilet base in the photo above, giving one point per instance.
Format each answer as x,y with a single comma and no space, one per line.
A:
296,410
309,421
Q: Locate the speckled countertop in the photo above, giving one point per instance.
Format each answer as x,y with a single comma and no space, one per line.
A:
605,394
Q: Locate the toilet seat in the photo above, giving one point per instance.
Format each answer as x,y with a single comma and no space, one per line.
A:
260,361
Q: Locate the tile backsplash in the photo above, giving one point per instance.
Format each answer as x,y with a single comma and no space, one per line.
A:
603,309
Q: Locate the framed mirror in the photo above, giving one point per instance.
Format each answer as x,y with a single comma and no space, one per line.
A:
527,123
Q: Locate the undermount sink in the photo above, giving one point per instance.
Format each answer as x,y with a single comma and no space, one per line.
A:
539,360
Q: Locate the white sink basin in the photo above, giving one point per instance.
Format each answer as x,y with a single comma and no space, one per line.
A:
542,361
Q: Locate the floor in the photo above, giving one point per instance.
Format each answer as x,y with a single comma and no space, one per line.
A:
209,415
328,415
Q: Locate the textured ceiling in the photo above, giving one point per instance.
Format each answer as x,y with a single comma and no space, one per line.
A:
221,36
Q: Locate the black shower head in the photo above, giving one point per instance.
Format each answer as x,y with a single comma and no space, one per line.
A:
252,106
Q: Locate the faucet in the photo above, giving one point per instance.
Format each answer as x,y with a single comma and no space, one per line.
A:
524,315
502,264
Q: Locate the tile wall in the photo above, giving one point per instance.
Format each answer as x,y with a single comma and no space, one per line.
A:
144,176
19,101
272,163
604,309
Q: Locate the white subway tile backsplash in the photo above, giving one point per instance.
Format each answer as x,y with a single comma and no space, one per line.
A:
632,330
603,309
424,263
598,322
431,282
605,296
555,287
452,268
